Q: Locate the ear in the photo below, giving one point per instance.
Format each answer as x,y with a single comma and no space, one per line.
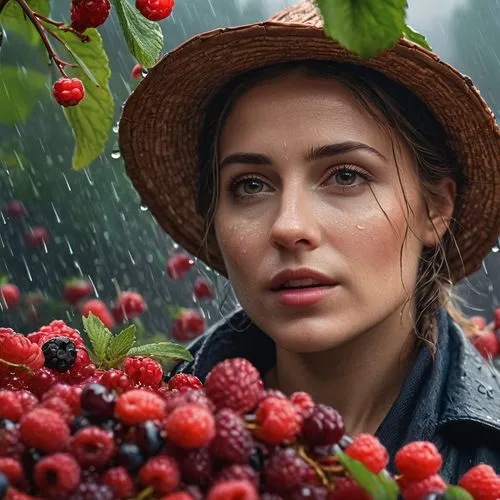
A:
440,207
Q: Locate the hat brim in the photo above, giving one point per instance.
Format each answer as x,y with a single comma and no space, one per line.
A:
162,119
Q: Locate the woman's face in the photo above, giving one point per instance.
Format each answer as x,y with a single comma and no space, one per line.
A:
308,181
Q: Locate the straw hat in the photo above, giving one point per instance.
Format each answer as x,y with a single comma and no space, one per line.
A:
162,119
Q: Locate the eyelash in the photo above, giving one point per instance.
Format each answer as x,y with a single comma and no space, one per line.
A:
239,180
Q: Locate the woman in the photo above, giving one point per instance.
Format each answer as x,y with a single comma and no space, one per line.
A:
341,197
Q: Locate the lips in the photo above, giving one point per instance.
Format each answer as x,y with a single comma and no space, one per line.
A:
300,278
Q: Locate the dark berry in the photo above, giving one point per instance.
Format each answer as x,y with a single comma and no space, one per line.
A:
324,426
92,491
149,438
310,492
4,484
196,466
29,459
256,459
60,353
130,456
433,496
98,401
6,424
79,422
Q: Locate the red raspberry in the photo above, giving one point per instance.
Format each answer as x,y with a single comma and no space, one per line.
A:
286,471
28,400
129,305
324,426
202,289
92,447
145,371
98,308
183,381
481,482
160,472
116,380
41,381
188,325
487,343
188,396
303,403
12,469
432,484
233,441
136,71
119,480
59,406
76,289
89,13
10,406
10,296
57,474
44,429
10,442
179,495
82,369
238,472
226,490
346,489
190,426
178,264
36,237
69,394
14,494
18,350
90,490
196,466
68,91
57,328
368,450
138,405
418,460
316,492
277,420
15,209
234,383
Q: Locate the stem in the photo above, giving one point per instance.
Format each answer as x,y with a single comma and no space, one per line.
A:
62,26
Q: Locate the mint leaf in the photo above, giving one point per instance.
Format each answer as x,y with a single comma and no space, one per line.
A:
162,350
457,493
99,335
416,37
144,38
120,345
366,27
14,20
20,91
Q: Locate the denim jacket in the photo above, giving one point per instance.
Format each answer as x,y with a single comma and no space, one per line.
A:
452,400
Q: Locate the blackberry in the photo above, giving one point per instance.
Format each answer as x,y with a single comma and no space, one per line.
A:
4,484
92,491
60,353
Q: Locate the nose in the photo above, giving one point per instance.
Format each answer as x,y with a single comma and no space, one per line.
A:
295,226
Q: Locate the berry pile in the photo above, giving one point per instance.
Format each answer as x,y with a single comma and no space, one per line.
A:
71,430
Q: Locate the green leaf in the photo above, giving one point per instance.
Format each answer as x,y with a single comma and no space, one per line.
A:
144,38
92,118
391,488
457,493
20,91
120,345
14,20
366,27
162,350
4,279
416,37
100,337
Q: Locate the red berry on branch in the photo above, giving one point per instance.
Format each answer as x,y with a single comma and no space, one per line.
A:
15,209
136,71
178,265
155,10
98,308
68,91
418,460
89,13
486,342
128,305
76,289
36,237
203,290
10,297
368,450
188,325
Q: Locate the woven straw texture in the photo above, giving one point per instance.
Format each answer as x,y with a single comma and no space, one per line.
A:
162,119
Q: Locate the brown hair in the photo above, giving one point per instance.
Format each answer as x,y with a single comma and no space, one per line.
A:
400,112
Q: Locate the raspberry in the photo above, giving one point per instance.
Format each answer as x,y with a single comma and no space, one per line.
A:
60,407
235,384
10,441
15,209
346,489
183,381
36,237
89,13
145,371
16,349
418,460
202,289
368,450
92,447
45,430
316,492
60,353
179,495
56,328
10,405
160,472
239,472
129,305
28,400
180,263
303,403
138,406
41,381
196,466
11,469
56,474
188,396
432,484
10,296
233,490
67,393
82,369
481,482
286,471
277,420
76,289
324,426
115,379
233,442
190,426
14,494
119,481
136,71
188,325
92,491
100,309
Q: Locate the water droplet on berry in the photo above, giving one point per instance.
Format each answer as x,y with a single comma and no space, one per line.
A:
115,154
116,127
144,208
144,72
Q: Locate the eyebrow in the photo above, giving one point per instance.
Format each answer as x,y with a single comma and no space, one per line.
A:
315,153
